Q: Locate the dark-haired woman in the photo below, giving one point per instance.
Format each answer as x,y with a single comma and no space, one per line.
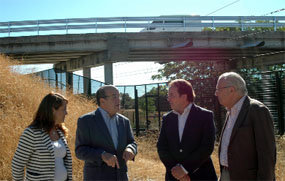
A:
42,148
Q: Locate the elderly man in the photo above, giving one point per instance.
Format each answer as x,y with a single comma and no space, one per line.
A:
247,146
187,136
104,139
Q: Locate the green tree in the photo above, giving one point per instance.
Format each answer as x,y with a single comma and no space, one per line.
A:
126,101
188,70
251,29
152,98
277,67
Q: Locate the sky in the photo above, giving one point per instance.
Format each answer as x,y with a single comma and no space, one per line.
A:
131,73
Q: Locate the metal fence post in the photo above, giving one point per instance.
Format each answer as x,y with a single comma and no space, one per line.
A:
274,23
124,98
66,26
49,77
146,108
279,103
213,24
184,23
56,80
241,22
70,81
158,105
38,26
8,29
89,86
96,26
125,25
137,112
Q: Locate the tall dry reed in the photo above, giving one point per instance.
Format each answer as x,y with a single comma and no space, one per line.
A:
20,96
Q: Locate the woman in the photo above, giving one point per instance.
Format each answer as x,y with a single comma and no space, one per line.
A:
42,148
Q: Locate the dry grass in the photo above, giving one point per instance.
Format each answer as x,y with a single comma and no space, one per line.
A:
20,96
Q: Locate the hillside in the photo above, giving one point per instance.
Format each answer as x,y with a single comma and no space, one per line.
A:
20,96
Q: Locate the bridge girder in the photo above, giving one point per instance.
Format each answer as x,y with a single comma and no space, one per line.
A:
74,51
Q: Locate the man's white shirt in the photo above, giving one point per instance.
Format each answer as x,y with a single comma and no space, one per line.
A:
182,118
233,114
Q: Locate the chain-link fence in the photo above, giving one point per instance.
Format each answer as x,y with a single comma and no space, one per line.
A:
145,104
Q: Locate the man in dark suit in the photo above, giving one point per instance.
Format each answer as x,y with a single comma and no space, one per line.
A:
247,146
104,139
187,136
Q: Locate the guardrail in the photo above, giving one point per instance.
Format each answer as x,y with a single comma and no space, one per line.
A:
143,23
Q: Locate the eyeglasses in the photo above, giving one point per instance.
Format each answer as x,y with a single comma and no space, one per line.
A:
218,89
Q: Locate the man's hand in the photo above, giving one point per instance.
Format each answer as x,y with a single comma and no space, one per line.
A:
110,160
185,178
178,172
128,154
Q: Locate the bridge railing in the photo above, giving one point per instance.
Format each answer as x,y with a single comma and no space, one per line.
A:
124,24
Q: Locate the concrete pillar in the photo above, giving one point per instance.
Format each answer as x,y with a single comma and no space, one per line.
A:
69,81
108,73
86,80
62,69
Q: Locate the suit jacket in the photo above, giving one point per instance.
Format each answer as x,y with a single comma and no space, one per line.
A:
251,150
196,145
93,138
36,154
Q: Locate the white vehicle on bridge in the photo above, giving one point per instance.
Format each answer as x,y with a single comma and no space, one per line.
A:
175,23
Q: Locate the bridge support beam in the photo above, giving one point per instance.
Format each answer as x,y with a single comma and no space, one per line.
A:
69,81
93,60
86,80
108,73
59,68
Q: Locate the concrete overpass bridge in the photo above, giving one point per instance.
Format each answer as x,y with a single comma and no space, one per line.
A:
160,39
